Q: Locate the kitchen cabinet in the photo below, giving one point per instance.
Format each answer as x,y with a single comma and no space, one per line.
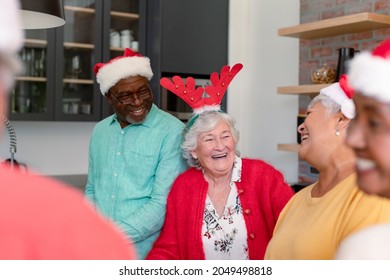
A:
78,47
195,36
31,97
58,83
326,28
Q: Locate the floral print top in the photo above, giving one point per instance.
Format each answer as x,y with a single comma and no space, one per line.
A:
225,237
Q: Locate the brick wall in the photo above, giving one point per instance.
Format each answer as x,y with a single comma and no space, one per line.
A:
314,52
319,51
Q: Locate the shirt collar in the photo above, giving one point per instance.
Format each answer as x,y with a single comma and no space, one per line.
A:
236,171
149,121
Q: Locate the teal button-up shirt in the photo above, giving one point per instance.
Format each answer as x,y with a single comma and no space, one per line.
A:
131,171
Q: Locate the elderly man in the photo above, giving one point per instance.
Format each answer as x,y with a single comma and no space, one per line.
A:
134,154
41,218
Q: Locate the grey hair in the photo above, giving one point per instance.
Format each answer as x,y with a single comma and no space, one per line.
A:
331,106
206,121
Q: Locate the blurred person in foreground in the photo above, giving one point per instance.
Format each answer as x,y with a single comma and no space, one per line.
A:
369,137
41,218
134,154
320,216
224,206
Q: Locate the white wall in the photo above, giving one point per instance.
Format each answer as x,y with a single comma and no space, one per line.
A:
51,148
264,118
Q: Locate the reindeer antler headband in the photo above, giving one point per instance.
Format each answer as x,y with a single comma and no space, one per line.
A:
195,97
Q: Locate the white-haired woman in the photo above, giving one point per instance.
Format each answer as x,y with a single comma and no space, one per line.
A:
320,216
224,206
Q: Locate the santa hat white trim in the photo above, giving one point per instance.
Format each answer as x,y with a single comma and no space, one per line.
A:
337,94
121,68
370,75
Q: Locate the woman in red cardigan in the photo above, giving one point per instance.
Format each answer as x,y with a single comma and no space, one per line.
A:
224,206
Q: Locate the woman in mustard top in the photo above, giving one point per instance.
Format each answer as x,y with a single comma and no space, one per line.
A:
320,216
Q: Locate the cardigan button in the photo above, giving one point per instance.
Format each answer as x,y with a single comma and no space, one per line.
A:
240,191
252,236
247,211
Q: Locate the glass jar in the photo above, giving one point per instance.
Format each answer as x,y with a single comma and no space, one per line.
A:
323,74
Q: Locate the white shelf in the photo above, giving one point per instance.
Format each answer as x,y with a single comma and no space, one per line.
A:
78,81
124,15
79,9
31,79
70,45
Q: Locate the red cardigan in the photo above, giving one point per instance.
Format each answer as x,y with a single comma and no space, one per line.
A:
263,194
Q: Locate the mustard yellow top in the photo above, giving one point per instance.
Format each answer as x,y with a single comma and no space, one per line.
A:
313,227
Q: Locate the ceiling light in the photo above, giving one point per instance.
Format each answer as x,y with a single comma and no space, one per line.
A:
41,14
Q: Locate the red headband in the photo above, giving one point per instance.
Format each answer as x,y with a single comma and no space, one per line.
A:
195,96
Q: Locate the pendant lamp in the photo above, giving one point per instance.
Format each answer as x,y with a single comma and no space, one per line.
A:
42,14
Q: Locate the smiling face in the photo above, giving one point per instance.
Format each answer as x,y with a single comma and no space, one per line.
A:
369,136
137,99
318,134
216,150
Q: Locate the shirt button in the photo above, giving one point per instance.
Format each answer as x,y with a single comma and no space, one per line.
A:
113,196
115,174
122,132
247,211
252,236
118,153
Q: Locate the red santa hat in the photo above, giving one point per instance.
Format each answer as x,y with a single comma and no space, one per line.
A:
342,94
369,72
130,64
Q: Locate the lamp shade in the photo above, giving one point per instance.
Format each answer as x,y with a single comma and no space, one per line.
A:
42,14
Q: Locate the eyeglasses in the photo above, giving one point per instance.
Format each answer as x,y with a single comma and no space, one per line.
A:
130,98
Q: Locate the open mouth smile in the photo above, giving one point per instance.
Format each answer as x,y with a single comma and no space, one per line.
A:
365,164
137,111
224,155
